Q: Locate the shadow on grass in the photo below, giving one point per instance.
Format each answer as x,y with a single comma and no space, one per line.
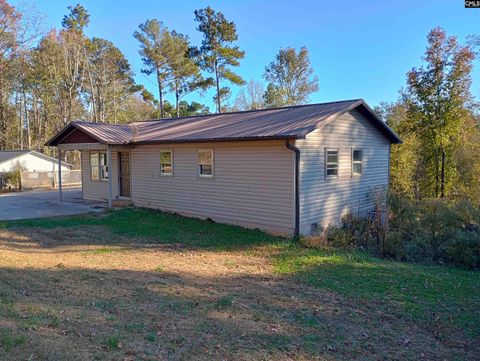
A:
442,297
116,314
147,226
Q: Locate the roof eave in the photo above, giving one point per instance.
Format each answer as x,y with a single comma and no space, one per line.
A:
221,139
61,134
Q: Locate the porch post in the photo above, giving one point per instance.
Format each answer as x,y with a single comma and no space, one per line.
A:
110,174
60,174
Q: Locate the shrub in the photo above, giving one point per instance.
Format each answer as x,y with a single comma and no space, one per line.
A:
431,230
463,249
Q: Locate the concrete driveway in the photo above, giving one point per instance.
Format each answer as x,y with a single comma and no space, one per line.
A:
45,203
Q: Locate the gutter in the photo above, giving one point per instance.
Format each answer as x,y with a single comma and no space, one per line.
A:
296,185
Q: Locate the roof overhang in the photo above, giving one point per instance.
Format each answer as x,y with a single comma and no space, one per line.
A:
67,131
224,139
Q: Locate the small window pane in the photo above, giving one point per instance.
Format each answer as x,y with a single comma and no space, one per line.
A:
94,170
94,159
332,171
103,166
104,172
94,173
205,157
205,162
357,155
166,163
166,157
332,158
357,168
205,169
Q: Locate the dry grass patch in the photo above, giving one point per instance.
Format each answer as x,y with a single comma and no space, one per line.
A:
85,289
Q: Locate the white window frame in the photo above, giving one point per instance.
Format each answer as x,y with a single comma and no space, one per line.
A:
94,167
327,163
102,169
171,162
199,165
355,174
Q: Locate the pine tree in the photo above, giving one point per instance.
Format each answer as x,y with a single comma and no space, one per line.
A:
153,49
216,55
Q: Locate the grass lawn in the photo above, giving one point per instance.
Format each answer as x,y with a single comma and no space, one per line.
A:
144,285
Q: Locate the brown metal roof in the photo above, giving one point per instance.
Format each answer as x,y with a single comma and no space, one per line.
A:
279,123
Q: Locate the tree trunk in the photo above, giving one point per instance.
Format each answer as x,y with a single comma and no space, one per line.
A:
219,109
26,117
177,97
2,114
442,180
437,175
92,88
160,94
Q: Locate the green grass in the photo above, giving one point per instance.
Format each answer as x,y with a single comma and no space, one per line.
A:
10,340
426,293
436,300
112,342
159,227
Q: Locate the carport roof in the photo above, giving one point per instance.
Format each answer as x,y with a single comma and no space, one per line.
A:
293,122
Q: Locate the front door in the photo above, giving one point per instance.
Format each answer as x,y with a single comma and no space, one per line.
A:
124,173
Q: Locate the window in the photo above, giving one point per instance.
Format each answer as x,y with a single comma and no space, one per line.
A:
166,162
205,163
331,160
357,162
94,175
98,166
103,166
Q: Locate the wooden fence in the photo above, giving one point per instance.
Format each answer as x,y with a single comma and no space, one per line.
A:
70,178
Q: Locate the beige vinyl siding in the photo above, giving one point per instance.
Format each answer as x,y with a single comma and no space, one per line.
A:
252,185
324,201
98,190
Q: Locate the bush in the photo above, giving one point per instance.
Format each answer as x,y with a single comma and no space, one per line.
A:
432,231
463,249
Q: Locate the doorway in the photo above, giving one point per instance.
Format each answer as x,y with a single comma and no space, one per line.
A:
124,174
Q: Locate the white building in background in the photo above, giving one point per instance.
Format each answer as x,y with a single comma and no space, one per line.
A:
30,160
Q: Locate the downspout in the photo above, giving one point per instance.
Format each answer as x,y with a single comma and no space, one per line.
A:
297,186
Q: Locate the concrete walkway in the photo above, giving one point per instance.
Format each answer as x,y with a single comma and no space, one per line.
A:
45,203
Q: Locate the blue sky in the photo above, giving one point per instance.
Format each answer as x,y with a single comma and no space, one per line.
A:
359,49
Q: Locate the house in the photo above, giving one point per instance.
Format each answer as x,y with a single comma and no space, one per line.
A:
30,160
285,170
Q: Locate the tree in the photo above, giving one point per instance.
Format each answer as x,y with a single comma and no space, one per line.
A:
437,99
290,77
250,97
153,49
404,163
111,78
184,71
9,28
216,55
77,19
190,109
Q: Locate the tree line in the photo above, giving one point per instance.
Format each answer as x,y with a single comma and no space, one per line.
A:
48,79
437,118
